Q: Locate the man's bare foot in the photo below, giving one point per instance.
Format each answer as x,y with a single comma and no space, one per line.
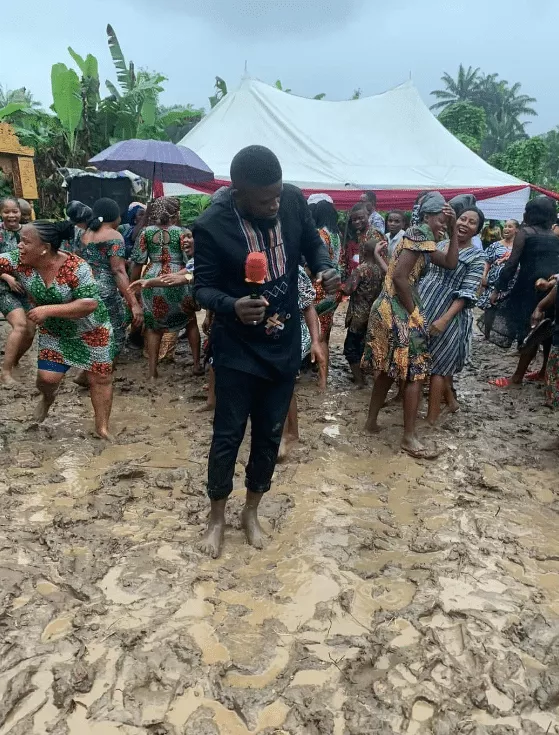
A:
104,433
197,371
371,427
205,407
211,542
41,410
7,380
253,530
416,449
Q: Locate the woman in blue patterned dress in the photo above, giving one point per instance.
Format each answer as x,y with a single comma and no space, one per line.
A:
448,297
496,256
168,303
13,302
102,246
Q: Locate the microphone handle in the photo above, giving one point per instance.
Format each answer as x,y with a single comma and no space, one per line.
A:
255,291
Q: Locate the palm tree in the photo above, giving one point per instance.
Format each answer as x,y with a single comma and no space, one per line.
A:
17,96
461,89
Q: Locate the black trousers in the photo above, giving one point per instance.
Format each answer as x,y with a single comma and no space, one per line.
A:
239,396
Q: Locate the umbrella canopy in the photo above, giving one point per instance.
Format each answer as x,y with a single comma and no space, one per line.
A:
154,160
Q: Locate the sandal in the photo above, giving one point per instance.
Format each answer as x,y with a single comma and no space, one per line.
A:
534,377
500,382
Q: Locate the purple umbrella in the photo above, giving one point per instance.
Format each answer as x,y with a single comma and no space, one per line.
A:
156,160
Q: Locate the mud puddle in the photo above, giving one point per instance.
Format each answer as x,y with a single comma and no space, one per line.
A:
394,596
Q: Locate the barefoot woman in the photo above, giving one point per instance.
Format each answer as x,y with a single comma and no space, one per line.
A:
75,329
398,339
13,303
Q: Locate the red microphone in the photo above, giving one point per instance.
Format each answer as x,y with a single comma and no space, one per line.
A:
256,267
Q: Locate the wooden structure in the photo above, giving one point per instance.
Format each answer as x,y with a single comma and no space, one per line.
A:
16,161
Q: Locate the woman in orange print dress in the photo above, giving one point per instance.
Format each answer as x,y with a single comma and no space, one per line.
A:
398,344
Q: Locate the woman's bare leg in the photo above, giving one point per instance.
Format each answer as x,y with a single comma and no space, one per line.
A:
48,383
323,370
209,405
194,340
450,395
436,393
153,339
412,397
381,387
101,392
290,429
19,340
523,365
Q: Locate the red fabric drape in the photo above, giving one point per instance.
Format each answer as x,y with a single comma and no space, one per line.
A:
386,198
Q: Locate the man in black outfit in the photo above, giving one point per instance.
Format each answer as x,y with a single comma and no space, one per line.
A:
256,342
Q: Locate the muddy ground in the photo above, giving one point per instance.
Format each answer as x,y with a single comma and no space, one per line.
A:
395,596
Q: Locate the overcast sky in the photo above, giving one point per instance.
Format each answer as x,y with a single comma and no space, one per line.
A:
331,46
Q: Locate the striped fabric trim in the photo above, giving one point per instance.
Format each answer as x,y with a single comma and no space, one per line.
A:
275,253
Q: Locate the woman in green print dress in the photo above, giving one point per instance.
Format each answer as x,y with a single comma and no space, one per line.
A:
169,306
102,246
13,303
74,326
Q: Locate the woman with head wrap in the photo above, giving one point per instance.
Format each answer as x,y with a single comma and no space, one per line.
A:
535,254
397,347
102,246
133,226
166,289
448,297
74,327
326,221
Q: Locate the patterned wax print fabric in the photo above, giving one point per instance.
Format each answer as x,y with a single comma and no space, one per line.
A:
327,304
377,222
8,299
306,297
85,343
496,255
364,286
170,308
397,342
98,255
440,287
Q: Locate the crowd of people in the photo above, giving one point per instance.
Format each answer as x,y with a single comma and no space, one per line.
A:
411,281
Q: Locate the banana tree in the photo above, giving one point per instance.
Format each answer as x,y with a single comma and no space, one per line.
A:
11,108
67,102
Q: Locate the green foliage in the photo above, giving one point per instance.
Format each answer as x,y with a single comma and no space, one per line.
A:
524,159
10,109
278,85
550,178
192,207
504,105
467,122
124,72
67,102
220,91
357,94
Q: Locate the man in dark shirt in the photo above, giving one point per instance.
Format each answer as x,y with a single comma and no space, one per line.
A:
256,342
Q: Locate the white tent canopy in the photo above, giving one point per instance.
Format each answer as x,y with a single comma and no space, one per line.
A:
389,141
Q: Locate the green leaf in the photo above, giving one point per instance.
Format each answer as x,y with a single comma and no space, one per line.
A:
89,66
67,102
320,96
149,110
10,108
125,75
112,89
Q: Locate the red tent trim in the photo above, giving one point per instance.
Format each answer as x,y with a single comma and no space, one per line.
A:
386,198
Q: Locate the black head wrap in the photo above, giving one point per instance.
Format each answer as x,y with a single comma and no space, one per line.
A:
463,202
541,212
78,212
